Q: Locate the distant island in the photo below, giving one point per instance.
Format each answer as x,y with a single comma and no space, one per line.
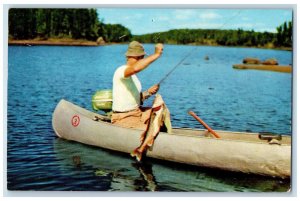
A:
82,27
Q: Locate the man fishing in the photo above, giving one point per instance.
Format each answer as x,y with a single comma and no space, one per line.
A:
128,96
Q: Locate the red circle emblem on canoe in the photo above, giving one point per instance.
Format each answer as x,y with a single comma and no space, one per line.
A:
75,120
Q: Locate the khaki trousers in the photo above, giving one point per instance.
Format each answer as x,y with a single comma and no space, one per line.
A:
133,119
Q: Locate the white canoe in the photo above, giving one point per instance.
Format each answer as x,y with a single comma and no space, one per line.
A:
234,151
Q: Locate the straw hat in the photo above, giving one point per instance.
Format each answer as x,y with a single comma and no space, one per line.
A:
135,49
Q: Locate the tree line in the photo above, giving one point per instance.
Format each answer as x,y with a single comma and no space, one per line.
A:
283,37
63,23
85,24
284,34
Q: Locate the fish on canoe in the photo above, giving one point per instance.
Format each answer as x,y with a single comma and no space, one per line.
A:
255,153
159,116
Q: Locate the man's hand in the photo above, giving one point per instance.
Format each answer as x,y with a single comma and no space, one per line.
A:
159,47
152,90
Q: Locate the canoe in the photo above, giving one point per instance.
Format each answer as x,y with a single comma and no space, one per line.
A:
234,151
277,68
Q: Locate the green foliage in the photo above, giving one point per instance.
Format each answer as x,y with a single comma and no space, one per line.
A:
22,23
63,23
114,32
84,24
210,37
222,37
284,34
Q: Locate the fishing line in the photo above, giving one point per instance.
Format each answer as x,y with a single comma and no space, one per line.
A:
156,36
230,19
167,75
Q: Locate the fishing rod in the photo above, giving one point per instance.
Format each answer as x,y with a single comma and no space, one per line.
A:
156,38
167,75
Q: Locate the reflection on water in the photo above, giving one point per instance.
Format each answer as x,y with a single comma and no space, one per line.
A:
116,171
146,173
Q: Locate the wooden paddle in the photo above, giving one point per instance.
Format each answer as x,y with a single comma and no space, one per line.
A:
204,124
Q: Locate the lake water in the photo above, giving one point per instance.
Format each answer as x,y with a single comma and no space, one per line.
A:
225,98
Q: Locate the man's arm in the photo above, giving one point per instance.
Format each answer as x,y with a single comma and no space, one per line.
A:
144,63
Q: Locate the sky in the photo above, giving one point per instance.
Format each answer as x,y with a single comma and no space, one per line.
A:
149,20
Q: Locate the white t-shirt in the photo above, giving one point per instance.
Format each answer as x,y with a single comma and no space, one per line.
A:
126,91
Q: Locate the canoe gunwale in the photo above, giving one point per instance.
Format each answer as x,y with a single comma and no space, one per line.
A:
203,133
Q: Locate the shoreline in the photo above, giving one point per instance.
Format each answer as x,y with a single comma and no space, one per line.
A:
53,42
74,42
275,68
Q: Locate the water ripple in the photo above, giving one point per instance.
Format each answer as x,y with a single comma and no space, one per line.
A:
224,98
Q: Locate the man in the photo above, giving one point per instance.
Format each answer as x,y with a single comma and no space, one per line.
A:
128,98
127,89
